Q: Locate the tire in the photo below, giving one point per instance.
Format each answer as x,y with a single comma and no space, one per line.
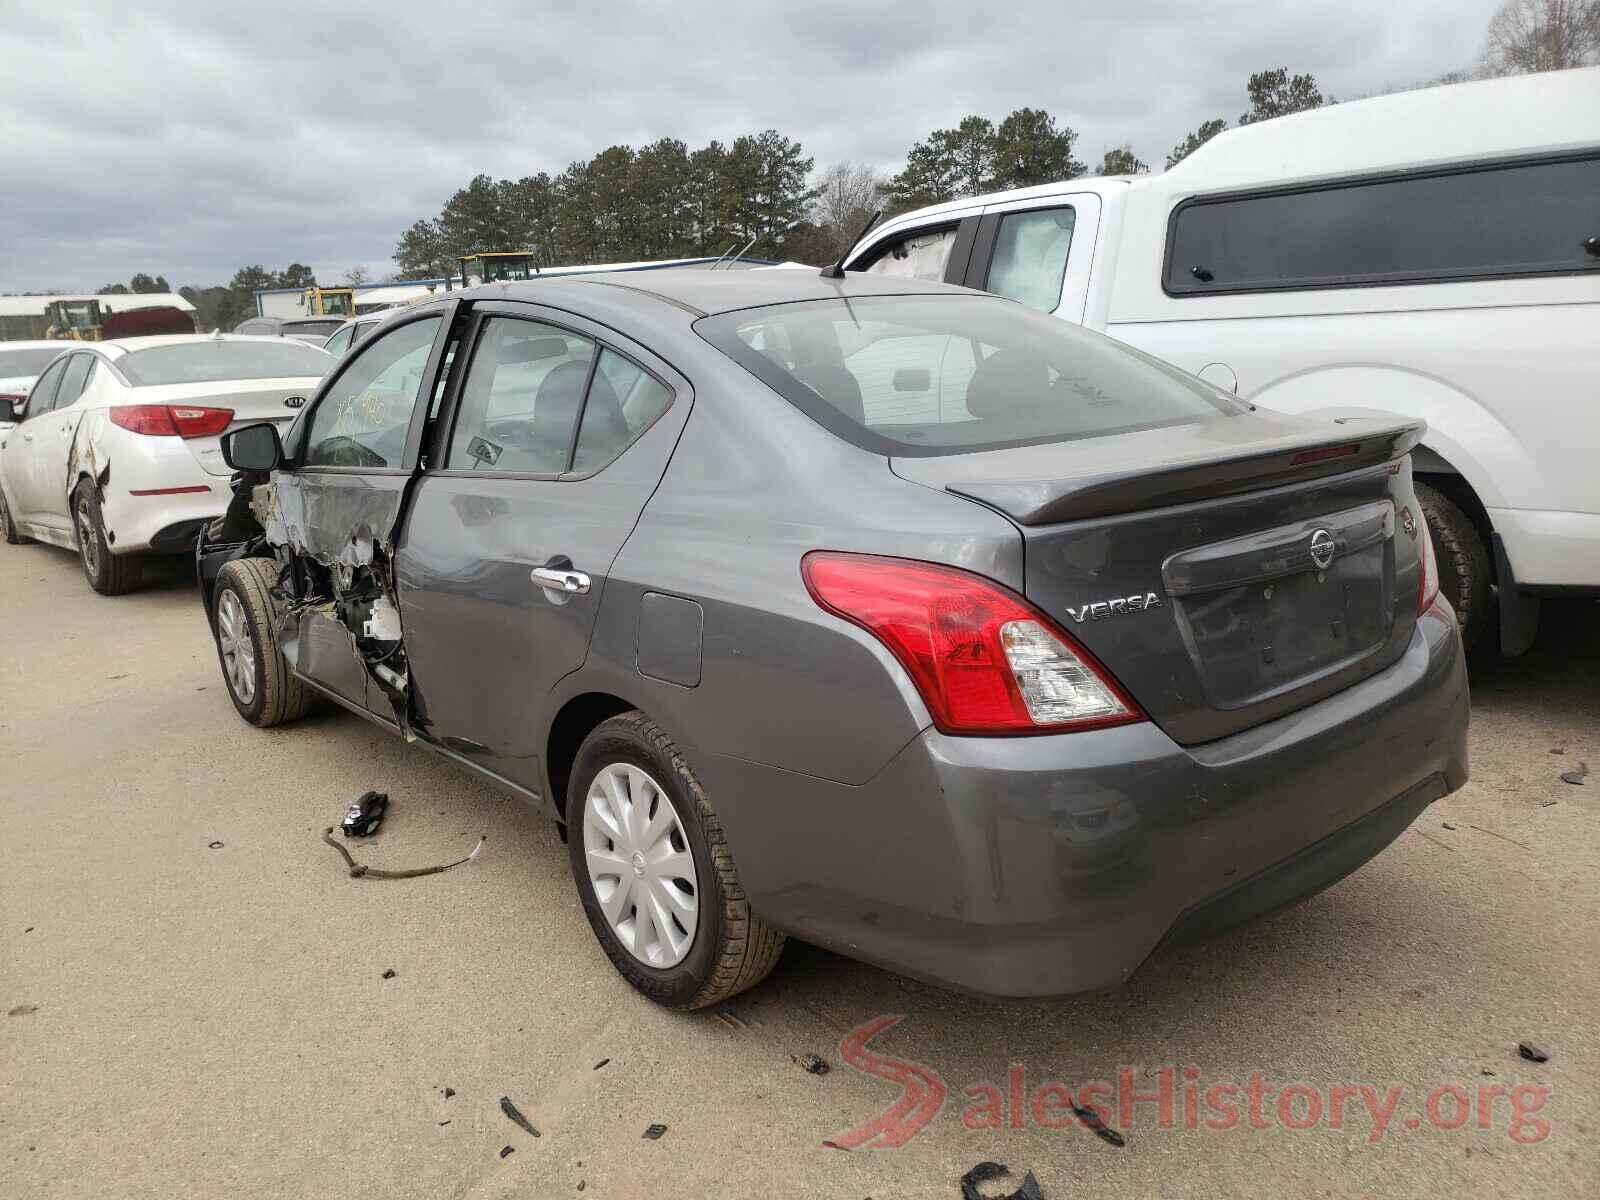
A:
245,627
14,537
1465,577
730,948
109,574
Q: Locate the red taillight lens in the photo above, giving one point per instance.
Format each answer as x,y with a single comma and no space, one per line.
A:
1428,589
200,422
175,420
984,660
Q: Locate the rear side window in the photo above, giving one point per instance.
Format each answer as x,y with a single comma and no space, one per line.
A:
921,255
521,398
1030,257
1514,219
623,400
946,374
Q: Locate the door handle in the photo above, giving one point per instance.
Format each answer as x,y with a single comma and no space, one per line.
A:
27,437
555,579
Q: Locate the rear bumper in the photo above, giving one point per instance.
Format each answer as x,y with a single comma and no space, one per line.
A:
1051,865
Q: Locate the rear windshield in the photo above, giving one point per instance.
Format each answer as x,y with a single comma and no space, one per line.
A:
26,362
948,374
322,327
207,361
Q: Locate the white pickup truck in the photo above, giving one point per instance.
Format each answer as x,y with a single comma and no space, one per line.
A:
1434,253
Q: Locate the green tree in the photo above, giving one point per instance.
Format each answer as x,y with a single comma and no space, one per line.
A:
708,200
660,189
531,209
473,219
144,285
422,252
1029,149
113,289
1207,131
1276,93
1121,161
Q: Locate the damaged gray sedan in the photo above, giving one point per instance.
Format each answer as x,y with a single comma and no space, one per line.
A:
885,615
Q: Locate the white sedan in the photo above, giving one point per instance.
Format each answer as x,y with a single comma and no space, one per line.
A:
117,452
20,364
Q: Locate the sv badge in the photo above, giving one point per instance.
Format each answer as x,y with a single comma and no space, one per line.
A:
1121,606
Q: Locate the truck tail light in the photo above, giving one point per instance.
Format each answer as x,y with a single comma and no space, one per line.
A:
984,660
1428,590
171,420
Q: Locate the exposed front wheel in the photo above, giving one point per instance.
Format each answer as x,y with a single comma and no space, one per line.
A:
1464,573
655,875
8,527
109,574
245,622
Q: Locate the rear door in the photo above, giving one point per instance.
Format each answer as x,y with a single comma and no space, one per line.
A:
51,445
556,433
938,251
19,443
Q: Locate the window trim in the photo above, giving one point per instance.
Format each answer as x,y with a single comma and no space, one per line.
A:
570,323
445,313
1367,179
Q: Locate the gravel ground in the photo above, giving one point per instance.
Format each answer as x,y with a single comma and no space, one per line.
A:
198,1003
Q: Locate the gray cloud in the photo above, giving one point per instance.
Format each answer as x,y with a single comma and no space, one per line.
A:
189,141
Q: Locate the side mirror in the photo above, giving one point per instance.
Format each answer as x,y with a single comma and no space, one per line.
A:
253,448
13,408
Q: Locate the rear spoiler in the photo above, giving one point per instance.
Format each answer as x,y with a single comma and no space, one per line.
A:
1051,501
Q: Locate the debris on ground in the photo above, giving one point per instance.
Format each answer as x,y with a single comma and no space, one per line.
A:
390,973
365,815
1447,825
359,871
813,1063
654,1132
505,1150
444,1123
1575,776
1533,1053
1091,1120
731,1021
600,1064
986,1171
213,845
513,1112
448,1092
23,1010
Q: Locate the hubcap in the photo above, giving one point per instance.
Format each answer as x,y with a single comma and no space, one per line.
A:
640,865
238,651
88,542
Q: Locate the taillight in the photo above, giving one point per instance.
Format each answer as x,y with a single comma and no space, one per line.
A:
171,420
1428,589
984,660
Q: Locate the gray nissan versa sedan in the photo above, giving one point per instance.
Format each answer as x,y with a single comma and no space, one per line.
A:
891,616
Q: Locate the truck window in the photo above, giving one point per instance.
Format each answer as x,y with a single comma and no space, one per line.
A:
1484,221
1030,256
919,255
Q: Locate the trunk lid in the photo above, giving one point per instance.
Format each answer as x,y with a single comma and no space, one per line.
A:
1227,571
252,401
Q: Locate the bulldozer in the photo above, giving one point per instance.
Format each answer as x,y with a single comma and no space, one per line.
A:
497,266
85,321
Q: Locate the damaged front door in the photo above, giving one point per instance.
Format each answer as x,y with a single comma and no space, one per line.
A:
336,506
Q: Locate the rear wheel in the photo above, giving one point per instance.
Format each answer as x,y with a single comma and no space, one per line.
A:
1464,573
655,875
245,622
9,527
109,574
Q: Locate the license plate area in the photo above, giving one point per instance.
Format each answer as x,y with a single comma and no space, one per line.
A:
1260,615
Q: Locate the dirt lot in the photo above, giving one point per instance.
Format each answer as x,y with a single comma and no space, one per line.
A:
189,1020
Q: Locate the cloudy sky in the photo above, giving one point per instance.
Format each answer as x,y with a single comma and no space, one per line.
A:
188,140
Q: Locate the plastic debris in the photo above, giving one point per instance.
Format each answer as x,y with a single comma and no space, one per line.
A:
505,1150
361,871
986,1171
654,1132
600,1064
1533,1053
513,1112
213,845
1575,777
813,1063
448,1092
365,815
1091,1120
1447,825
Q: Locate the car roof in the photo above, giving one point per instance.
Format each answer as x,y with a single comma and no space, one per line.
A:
39,344
706,292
